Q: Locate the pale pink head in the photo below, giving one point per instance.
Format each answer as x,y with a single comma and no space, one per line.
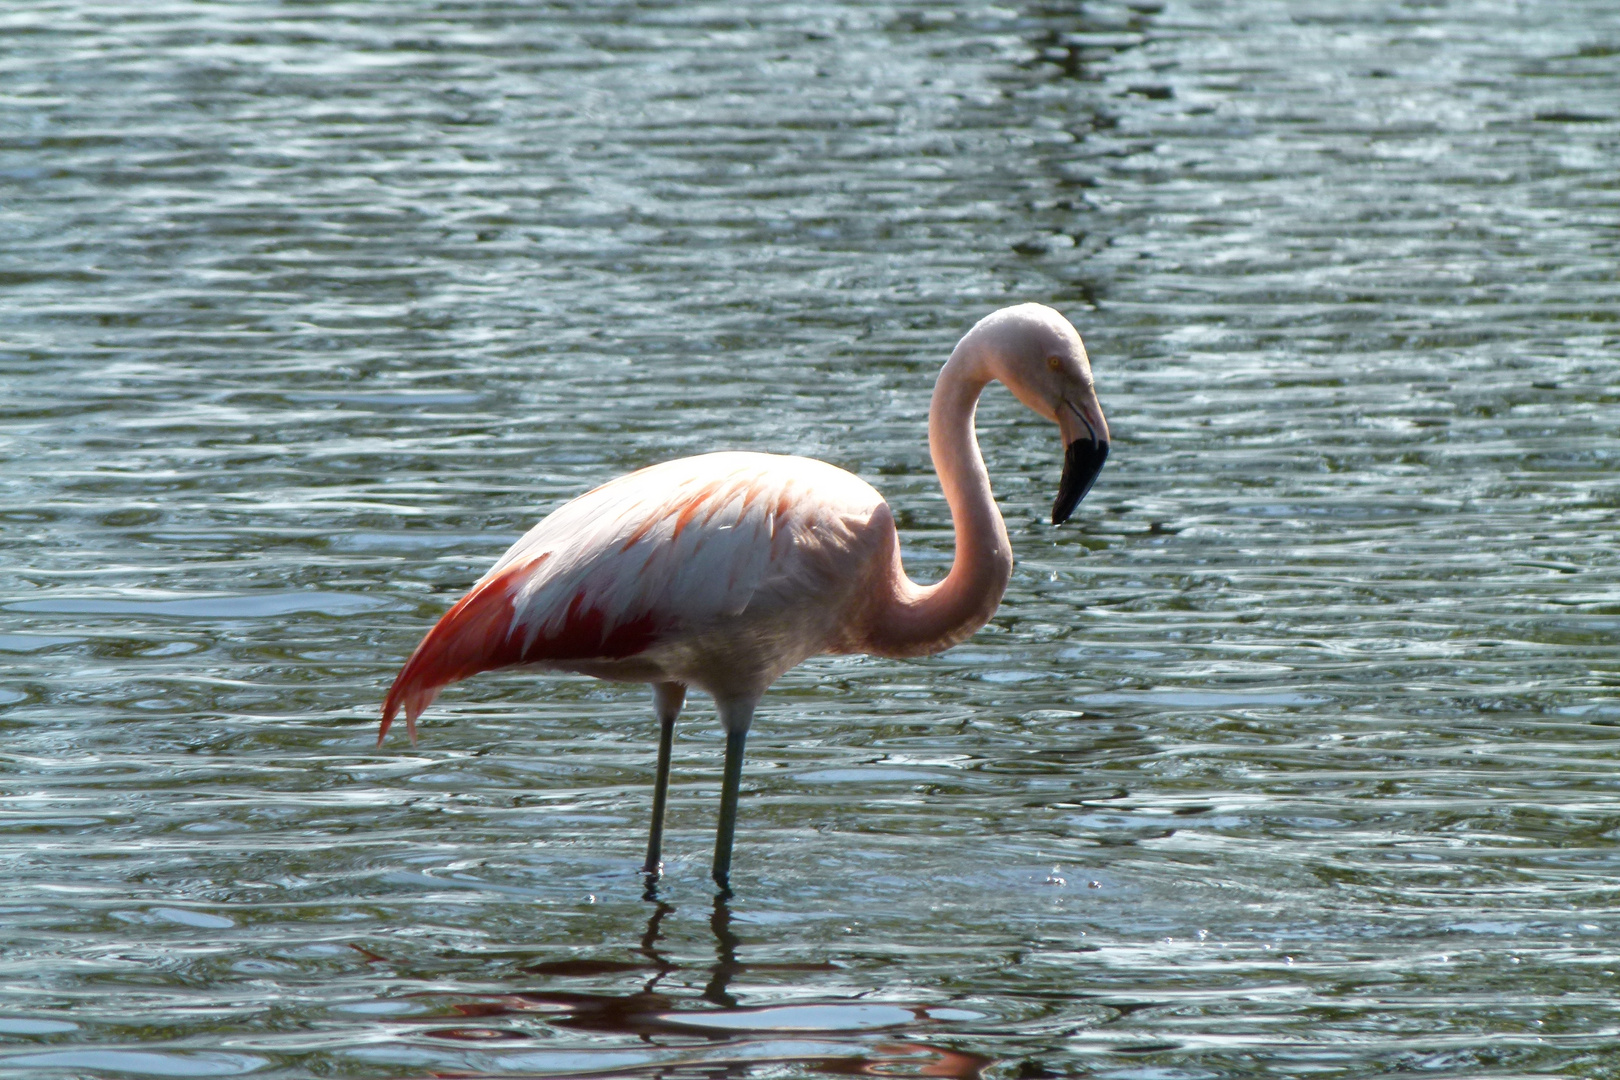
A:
1038,355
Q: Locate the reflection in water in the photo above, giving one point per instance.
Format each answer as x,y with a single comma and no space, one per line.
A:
828,1037
725,954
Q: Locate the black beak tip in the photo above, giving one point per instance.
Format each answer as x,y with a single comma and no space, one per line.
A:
1081,463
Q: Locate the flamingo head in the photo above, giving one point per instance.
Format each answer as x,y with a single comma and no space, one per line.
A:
1037,354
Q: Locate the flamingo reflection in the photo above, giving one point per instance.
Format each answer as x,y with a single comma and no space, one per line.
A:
852,1038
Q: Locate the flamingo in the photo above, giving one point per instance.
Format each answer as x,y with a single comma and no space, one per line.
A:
724,570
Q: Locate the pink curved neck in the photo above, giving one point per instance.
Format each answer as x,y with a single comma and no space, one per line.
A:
915,620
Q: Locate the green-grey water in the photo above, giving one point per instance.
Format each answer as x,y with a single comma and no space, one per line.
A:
1294,755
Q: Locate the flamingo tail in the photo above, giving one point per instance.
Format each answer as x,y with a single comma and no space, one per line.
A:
473,636
482,632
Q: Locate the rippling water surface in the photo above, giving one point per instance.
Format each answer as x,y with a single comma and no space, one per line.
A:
1295,755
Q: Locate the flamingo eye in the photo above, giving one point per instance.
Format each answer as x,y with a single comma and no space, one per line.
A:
1055,363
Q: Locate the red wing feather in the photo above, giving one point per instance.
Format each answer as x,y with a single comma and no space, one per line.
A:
478,635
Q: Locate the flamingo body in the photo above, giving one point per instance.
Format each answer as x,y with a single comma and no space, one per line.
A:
720,571
725,570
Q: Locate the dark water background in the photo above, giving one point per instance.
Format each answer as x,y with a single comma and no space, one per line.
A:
1294,756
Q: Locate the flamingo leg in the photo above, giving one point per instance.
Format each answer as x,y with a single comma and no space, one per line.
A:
667,700
735,716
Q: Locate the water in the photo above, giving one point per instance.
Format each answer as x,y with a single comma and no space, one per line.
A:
1294,755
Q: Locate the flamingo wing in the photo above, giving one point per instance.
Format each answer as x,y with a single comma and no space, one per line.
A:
671,552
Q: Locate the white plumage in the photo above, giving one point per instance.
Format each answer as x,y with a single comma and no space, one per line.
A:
718,571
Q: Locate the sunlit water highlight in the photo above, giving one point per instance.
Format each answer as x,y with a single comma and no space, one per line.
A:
1295,755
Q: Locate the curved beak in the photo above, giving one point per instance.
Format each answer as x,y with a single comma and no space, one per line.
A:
1085,442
